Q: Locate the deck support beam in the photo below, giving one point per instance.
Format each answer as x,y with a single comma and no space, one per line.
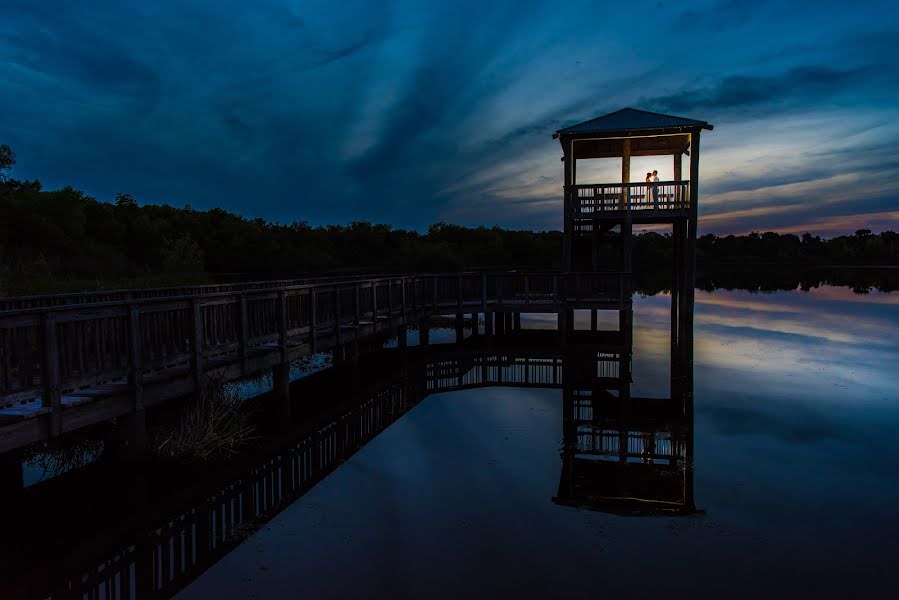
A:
500,324
281,409
627,245
690,261
12,479
625,171
424,332
128,441
568,204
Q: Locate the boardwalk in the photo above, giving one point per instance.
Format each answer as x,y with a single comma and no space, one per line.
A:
70,361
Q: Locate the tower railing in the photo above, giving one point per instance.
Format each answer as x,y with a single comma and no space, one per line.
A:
664,198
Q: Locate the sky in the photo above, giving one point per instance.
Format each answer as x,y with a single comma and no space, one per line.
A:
410,112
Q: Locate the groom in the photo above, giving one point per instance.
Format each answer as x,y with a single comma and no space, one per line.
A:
655,186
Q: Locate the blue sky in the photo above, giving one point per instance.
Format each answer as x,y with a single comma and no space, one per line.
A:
411,112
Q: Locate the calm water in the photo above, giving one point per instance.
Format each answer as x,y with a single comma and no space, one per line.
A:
793,471
795,477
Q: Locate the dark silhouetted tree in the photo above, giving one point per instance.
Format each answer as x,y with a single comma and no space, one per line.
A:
7,160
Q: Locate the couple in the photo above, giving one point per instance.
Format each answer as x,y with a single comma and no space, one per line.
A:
652,187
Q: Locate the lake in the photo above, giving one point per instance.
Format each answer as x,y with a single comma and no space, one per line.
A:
537,467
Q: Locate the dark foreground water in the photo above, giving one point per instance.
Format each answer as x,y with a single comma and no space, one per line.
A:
779,479
795,477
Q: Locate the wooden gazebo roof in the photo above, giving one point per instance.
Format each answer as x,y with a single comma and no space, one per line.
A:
651,134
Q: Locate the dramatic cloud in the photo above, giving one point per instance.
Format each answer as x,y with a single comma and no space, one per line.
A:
408,112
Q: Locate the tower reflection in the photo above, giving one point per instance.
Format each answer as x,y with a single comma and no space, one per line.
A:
624,454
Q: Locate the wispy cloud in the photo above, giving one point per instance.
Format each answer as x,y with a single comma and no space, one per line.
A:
411,112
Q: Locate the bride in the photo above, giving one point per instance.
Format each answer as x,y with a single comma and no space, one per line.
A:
648,199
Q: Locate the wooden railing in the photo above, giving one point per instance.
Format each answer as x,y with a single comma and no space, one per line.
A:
137,352
613,199
523,292
97,342
49,350
48,300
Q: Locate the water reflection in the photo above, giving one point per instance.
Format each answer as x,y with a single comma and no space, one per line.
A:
153,531
623,454
795,409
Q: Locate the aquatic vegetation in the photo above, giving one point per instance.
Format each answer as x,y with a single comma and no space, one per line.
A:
211,424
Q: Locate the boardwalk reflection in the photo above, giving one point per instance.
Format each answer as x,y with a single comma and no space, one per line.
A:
155,532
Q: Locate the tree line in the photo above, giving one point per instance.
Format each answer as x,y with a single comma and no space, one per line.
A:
53,236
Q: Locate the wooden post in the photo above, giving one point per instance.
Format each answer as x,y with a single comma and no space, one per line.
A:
474,324
424,333
488,324
625,172
52,395
313,316
132,435
484,293
678,177
568,204
404,298
336,315
374,303
676,279
282,325
356,317
244,333
12,480
627,244
434,284
390,302
281,394
527,290
516,321
460,324
690,283
196,345
135,360
593,320
555,289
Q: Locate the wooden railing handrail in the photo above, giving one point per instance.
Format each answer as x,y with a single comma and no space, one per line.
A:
656,198
148,300
142,300
580,186
139,294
